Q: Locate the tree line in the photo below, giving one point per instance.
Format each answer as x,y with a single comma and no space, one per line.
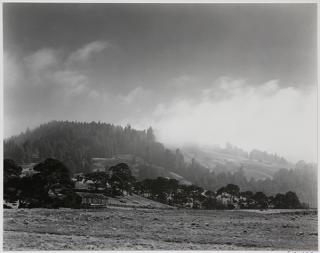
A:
52,187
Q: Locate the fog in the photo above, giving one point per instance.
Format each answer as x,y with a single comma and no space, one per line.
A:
267,117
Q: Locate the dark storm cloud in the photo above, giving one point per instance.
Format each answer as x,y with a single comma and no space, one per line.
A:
138,63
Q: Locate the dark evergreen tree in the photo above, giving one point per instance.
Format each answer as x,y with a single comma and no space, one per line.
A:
99,178
121,178
261,200
11,180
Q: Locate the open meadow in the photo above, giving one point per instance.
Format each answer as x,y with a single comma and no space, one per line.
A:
151,229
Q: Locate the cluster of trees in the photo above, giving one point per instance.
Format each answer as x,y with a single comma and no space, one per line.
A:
116,181
49,187
250,200
75,144
302,180
169,191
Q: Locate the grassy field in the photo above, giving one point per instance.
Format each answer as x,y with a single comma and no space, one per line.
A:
136,229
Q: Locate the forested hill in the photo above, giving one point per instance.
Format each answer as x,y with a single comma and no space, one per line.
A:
75,144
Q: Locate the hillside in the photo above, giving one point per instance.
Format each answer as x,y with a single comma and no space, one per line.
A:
140,168
136,201
256,164
84,147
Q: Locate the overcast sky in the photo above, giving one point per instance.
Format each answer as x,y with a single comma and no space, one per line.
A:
205,74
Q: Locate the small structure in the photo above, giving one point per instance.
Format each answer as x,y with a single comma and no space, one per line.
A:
225,198
89,185
93,199
27,169
84,185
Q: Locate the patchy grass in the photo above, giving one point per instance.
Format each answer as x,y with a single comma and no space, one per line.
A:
140,229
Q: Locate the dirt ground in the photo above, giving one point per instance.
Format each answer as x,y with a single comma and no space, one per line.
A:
143,229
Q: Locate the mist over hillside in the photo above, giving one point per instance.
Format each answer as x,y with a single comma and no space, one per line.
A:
255,164
78,145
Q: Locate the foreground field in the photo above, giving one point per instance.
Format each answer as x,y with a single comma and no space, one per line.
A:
136,229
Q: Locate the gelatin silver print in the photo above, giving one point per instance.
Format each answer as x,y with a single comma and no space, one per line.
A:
160,126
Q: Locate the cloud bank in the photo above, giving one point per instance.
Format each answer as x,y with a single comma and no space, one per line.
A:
266,116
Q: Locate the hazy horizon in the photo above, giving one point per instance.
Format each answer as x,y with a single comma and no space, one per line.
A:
198,74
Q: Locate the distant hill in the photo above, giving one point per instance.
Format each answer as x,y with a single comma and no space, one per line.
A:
256,164
84,147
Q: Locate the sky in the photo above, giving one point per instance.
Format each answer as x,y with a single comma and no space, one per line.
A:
202,74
